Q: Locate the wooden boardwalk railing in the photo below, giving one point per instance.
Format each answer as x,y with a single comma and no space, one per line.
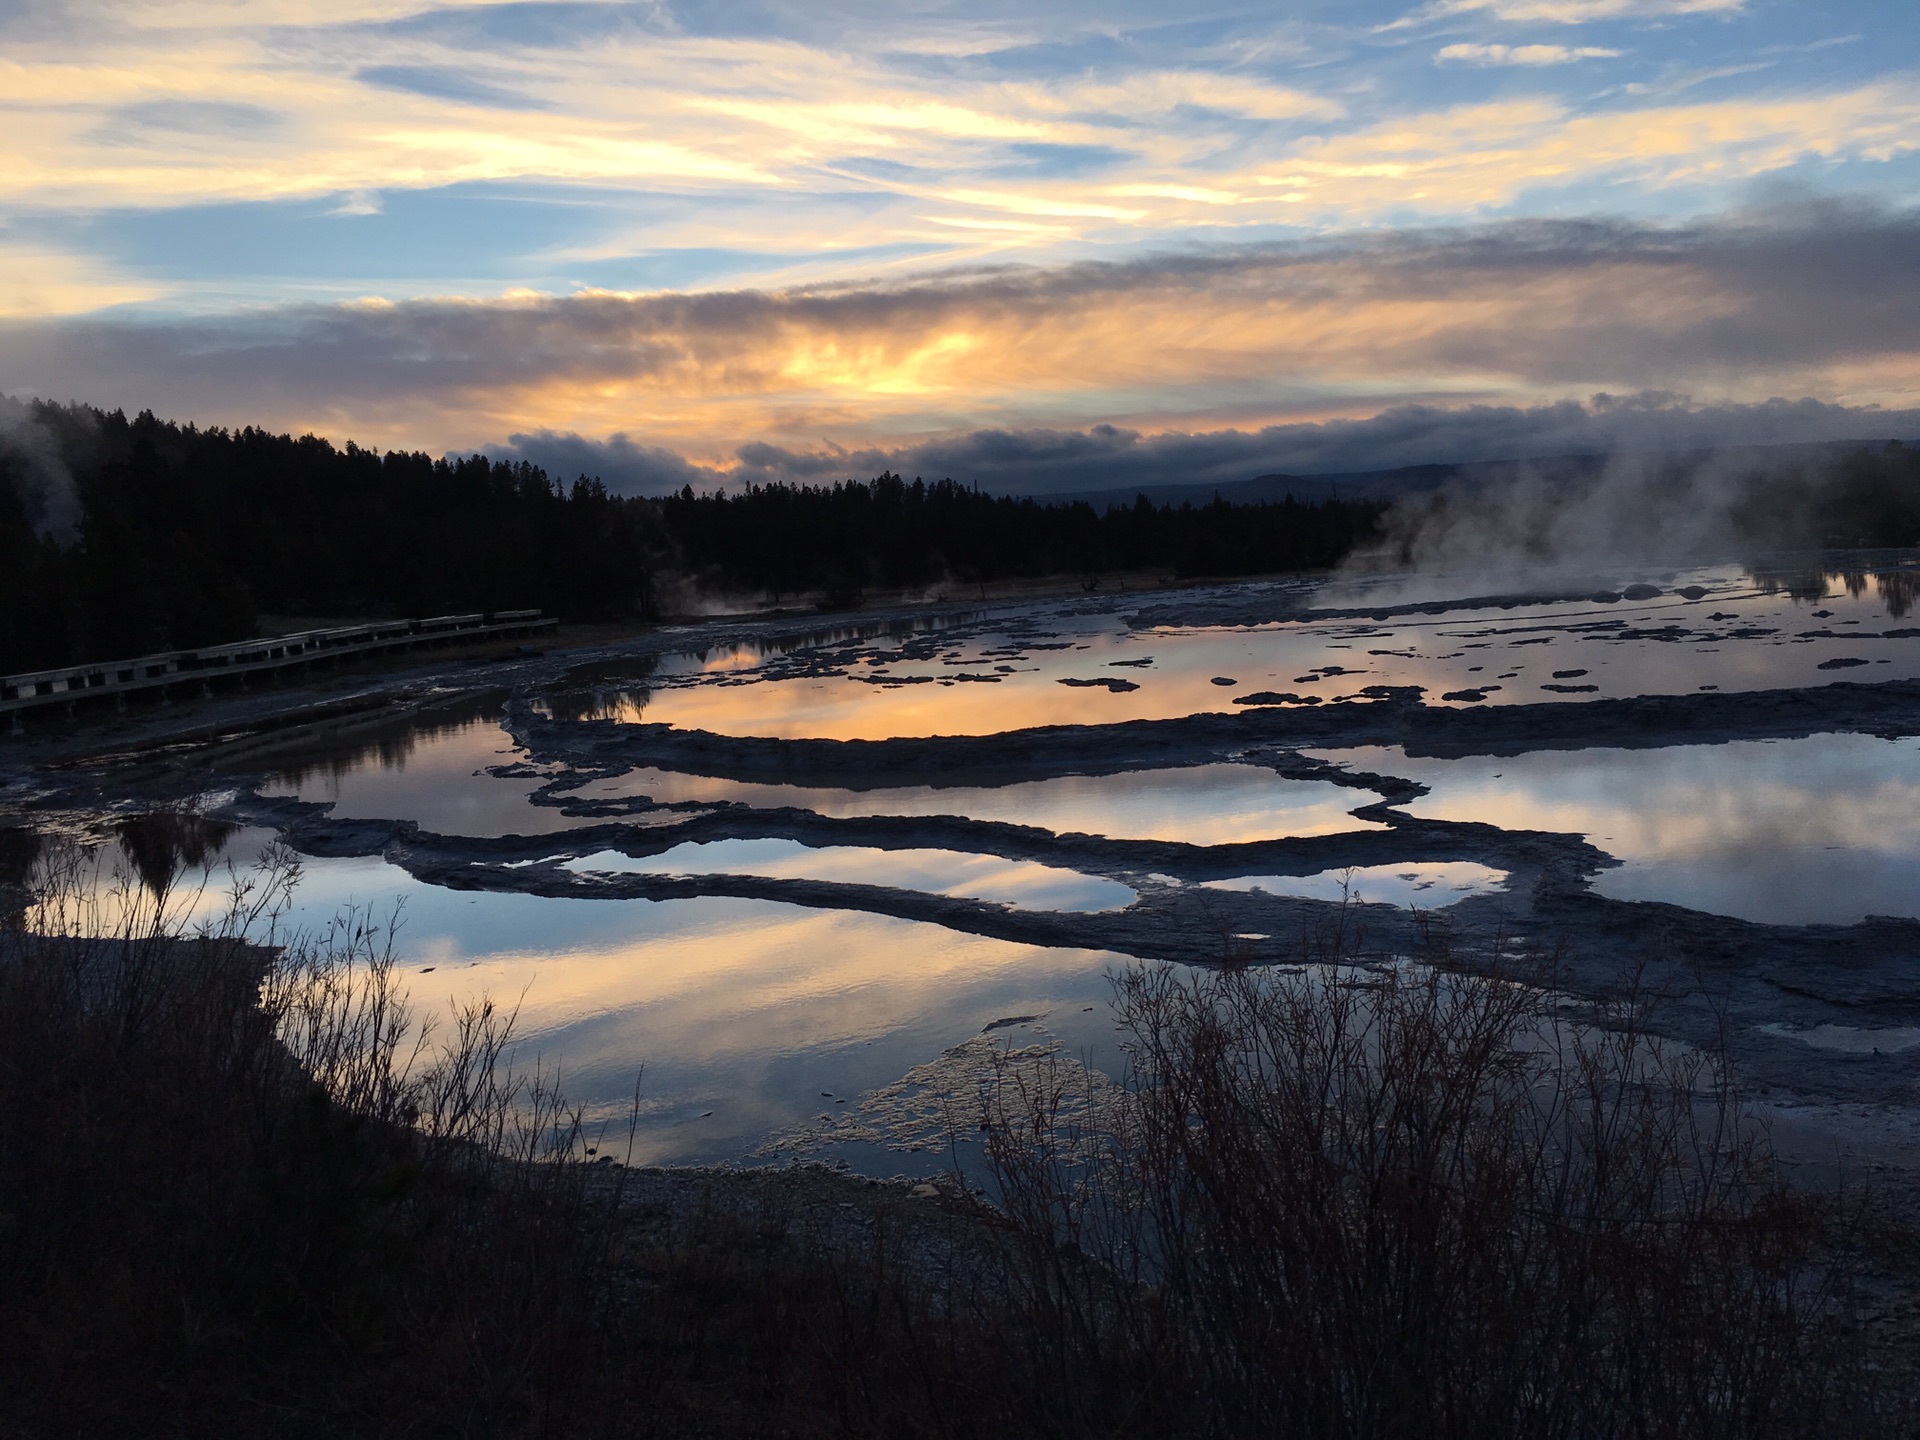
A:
197,670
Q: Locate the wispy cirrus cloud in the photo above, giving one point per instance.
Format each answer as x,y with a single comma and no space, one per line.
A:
950,176
1530,55
928,119
1566,12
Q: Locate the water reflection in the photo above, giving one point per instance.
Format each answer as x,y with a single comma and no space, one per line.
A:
1197,805
624,703
160,846
20,850
740,1012
384,745
1017,884
1057,665
1896,588
440,779
1427,884
1824,829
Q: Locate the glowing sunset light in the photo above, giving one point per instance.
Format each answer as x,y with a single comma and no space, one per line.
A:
702,233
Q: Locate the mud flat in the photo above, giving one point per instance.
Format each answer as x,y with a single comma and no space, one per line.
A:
782,861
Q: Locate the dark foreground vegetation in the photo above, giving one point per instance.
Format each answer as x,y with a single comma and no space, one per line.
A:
121,537
239,1196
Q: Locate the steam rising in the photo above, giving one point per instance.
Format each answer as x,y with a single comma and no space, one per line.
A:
1625,514
31,464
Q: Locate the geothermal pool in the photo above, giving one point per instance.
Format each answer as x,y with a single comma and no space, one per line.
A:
799,884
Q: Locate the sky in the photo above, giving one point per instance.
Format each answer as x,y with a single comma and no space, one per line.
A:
1042,246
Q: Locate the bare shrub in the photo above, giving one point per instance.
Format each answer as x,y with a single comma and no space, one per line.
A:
1409,1202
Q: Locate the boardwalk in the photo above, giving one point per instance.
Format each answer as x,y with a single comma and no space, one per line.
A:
195,672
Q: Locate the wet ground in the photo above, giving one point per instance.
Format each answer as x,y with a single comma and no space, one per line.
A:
812,878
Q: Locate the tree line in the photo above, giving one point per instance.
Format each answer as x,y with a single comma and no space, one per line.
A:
182,536
892,534
123,536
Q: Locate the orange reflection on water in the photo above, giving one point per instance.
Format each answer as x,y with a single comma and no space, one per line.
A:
1221,804
1017,884
1106,672
733,1014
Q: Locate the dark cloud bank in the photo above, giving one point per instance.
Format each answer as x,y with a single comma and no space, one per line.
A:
1107,459
1749,303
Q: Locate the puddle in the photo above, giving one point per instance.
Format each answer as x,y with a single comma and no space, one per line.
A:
1017,884
1820,830
1196,805
1427,884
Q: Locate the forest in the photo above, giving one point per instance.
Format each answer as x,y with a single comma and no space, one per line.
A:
891,534
125,536
178,536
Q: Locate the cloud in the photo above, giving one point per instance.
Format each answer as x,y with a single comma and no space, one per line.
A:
1106,457
1567,12
1489,155
443,82
1805,299
970,155
1523,54
626,467
36,280
176,122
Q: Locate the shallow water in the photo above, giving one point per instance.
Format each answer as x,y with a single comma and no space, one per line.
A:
732,1016
442,782
1821,830
439,780
1064,665
1428,884
1195,805
1017,884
